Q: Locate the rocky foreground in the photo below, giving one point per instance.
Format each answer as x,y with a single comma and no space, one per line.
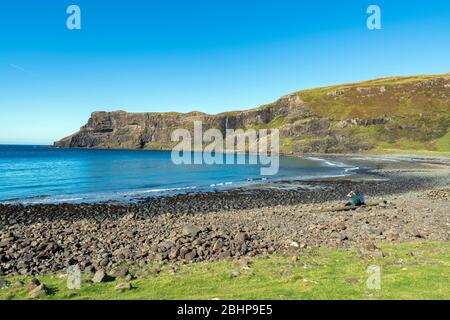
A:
207,227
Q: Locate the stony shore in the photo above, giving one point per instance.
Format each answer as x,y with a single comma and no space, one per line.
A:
410,201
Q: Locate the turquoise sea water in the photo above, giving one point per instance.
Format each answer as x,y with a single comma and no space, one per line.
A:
40,174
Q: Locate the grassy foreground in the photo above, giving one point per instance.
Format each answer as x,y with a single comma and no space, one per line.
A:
419,270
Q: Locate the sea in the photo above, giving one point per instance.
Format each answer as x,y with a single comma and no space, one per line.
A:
47,175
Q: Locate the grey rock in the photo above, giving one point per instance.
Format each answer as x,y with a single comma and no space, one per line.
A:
121,272
174,253
190,255
99,276
241,237
123,286
218,245
235,274
3,283
191,230
224,255
34,283
38,292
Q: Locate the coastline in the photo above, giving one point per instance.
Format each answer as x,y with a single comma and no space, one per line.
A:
347,166
231,224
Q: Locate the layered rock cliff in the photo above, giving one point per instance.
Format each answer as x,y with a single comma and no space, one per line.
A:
400,113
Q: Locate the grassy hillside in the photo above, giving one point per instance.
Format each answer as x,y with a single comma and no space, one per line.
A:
401,113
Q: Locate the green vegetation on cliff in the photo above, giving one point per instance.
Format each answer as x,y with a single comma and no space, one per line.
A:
383,115
403,113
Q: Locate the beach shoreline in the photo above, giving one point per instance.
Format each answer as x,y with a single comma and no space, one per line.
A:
410,196
351,167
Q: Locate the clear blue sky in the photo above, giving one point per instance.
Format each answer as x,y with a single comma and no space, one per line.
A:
207,55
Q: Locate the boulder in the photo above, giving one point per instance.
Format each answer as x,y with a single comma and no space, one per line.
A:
218,245
122,286
38,292
100,276
121,272
241,237
3,283
34,283
190,255
173,254
234,274
191,230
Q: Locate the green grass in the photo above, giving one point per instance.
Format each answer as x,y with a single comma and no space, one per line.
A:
418,270
443,144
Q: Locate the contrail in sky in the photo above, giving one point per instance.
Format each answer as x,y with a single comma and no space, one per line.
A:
15,66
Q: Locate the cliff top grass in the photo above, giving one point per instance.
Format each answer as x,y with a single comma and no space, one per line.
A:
344,107
417,270
396,80
413,114
395,96
329,103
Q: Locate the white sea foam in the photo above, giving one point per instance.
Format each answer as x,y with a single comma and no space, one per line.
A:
221,184
166,190
328,162
48,200
65,200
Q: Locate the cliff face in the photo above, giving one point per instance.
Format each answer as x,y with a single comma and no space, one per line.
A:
400,113
121,129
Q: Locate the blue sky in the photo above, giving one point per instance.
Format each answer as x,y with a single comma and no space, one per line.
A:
211,56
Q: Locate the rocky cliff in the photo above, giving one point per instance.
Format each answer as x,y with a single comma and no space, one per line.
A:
391,113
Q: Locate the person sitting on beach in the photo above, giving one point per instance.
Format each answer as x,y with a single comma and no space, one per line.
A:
356,199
